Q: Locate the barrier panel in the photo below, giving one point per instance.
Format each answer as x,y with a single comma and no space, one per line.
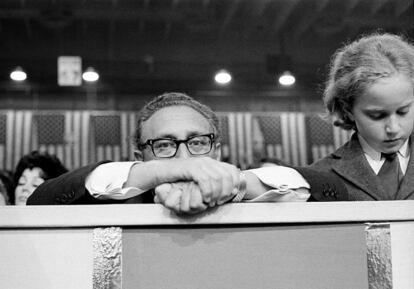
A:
255,245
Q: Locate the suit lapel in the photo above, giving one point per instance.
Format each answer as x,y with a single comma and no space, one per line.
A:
407,185
355,168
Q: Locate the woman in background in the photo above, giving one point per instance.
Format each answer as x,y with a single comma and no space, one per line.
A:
31,171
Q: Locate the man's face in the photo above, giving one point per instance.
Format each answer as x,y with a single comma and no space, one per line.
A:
180,123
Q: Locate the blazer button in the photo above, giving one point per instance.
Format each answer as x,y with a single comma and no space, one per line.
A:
71,194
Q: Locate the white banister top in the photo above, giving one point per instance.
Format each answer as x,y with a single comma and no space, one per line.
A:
240,213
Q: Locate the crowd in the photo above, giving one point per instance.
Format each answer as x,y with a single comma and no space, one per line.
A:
178,160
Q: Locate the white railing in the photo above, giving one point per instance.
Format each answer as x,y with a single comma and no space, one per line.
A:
265,245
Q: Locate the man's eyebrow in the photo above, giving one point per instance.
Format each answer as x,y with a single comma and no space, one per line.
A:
165,136
189,134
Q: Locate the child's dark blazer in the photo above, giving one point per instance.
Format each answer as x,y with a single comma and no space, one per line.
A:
350,164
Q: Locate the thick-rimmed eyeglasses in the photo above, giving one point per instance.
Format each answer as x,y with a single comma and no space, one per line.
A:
168,147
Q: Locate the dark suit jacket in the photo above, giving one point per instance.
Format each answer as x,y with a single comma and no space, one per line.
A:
350,163
70,188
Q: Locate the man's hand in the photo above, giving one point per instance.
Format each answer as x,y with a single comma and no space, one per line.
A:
217,181
180,197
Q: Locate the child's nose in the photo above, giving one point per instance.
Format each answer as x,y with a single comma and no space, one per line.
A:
392,125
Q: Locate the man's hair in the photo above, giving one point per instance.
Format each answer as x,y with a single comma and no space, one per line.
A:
175,99
358,65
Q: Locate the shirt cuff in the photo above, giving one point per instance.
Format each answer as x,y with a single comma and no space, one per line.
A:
287,183
107,180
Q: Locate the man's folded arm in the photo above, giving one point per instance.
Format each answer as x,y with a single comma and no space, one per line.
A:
270,184
104,183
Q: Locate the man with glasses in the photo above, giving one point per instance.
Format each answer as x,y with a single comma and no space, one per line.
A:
178,153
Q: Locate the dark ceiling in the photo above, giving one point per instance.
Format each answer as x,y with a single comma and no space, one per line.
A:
178,44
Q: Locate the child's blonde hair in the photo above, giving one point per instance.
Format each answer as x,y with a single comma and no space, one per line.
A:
355,67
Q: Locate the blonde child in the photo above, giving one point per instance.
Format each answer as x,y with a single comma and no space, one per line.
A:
370,91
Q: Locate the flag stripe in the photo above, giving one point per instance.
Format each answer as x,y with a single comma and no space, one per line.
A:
76,138
270,152
132,128
60,151
285,137
10,133
240,140
248,132
117,153
67,160
84,138
232,137
302,141
27,125
100,152
293,140
124,135
2,155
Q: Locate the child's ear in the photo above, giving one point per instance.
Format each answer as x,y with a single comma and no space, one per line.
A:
349,114
138,155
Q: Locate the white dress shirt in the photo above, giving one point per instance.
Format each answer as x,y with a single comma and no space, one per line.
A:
107,181
374,158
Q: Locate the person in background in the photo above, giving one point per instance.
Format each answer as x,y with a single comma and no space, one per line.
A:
370,91
6,188
178,151
31,171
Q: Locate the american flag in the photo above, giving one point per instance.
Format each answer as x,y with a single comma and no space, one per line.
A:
225,140
106,131
284,135
323,137
76,137
49,133
237,140
16,133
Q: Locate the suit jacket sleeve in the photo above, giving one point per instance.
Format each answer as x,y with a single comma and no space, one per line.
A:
325,186
68,188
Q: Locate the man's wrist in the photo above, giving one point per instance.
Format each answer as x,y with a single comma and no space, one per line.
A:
242,189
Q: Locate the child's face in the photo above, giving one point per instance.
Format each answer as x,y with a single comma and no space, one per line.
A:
384,115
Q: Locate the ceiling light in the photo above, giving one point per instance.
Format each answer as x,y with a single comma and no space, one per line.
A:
222,77
287,79
90,75
18,74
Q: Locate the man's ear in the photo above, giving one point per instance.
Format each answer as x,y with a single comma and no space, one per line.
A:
217,151
138,155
